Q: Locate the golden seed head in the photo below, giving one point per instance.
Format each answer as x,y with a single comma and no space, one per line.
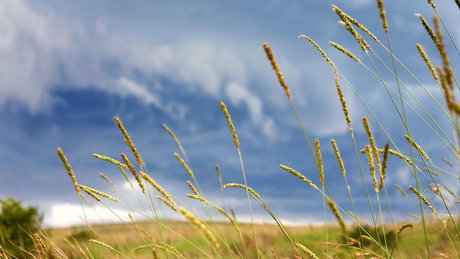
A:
129,142
386,151
383,15
420,196
428,29
94,191
174,250
230,124
427,61
111,160
108,180
338,216
419,149
370,160
343,101
344,51
320,161
271,57
404,226
339,158
344,17
458,3
133,171
189,171
158,187
101,244
249,189
442,50
356,35
298,175
200,225
432,4
68,168
220,178
172,206
41,246
233,213
190,184
318,48
306,250
174,137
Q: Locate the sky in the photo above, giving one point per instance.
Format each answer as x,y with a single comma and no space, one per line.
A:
68,67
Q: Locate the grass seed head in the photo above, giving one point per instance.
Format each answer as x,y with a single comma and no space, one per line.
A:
383,15
271,57
298,175
133,171
189,171
320,161
230,124
318,48
339,158
69,169
345,51
427,61
129,142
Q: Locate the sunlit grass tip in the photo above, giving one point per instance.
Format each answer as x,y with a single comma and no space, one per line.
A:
343,16
275,66
338,216
133,171
421,197
111,160
108,180
374,148
174,137
343,102
417,146
383,15
220,177
195,221
298,175
42,248
238,185
169,204
102,244
370,161
339,158
319,157
386,151
428,28
190,184
344,51
174,250
306,250
189,171
230,124
129,141
318,48
158,187
427,61
68,167
94,191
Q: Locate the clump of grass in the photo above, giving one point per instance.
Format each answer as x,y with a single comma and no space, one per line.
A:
378,237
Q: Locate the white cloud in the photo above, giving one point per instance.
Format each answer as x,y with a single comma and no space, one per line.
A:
72,214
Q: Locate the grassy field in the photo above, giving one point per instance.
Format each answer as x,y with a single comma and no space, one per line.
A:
434,235
270,238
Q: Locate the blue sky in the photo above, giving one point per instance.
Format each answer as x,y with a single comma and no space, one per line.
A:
67,68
